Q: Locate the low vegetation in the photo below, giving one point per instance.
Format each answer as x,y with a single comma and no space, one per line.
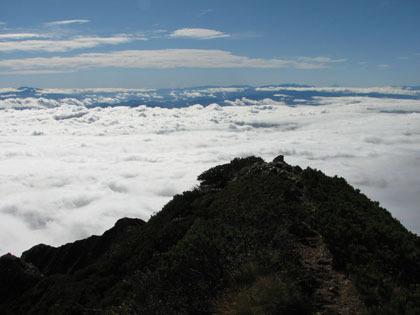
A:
253,238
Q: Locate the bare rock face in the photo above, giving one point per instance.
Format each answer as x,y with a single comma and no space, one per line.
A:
254,238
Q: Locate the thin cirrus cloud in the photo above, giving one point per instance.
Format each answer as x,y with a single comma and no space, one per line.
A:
59,45
19,36
66,22
158,59
197,33
204,12
321,59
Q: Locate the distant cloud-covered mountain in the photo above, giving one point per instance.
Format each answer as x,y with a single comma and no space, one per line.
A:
289,94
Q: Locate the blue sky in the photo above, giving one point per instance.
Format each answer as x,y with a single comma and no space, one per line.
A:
162,43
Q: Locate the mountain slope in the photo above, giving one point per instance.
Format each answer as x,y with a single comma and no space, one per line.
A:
253,238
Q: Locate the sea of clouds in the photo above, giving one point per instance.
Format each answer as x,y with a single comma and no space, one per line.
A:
68,171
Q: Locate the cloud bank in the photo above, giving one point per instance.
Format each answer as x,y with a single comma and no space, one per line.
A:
67,171
137,59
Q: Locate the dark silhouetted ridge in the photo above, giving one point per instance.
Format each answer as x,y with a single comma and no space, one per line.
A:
254,237
74,256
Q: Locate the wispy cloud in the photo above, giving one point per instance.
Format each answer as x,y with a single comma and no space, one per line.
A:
383,66
198,33
204,12
60,45
2,23
38,71
321,59
144,5
66,22
21,36
158,59
315,62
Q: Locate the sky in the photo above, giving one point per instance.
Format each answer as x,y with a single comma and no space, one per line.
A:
161,43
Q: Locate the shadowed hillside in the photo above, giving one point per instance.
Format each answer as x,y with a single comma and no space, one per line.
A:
253,238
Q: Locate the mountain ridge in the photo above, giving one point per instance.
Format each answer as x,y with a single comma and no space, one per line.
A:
288,94
254,237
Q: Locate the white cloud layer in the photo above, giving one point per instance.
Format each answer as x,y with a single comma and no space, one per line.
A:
67,172
198,33
160,59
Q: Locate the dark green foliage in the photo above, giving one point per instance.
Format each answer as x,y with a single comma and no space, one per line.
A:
379,253
233,245
16,276
218,176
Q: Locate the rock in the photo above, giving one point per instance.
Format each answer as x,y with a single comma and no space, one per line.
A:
279,159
